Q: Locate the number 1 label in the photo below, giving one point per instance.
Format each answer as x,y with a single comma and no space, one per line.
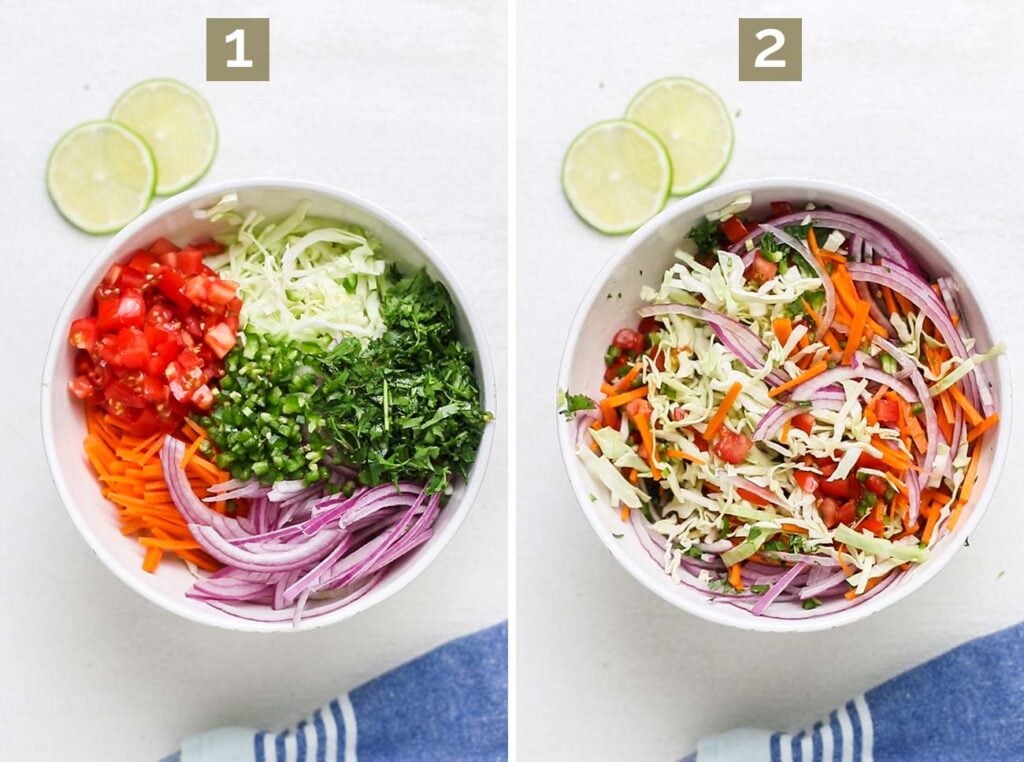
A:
239,61
237,50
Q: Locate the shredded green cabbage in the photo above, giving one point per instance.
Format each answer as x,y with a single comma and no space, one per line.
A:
302,277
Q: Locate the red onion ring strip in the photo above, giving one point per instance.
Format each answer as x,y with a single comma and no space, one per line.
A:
777,589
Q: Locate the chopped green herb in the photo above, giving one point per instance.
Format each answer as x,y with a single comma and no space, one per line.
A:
760,588
811,603
574,403
707,235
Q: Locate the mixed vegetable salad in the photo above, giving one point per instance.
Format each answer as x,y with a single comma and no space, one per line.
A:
797,417
279,407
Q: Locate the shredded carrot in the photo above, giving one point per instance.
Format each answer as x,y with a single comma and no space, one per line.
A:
890,303
793,529
818,367
832,342
681,455
851,594
814,315
618,400
973,416
784,434
734,576
643,425
965,492
723,410
624,513
609,414
607,389
783,329
929,527
860,315
633,476
129,469
982,427
627,380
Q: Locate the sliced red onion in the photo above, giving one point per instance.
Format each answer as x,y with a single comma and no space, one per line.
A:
824,582
805,392
777,589
948,290
266,614
772,421
736,337
872,234
829,312
640,525
748,486
919,293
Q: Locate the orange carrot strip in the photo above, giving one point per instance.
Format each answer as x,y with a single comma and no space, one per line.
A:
162,544
624,512
723,410
152,559
673,453
734,576
783,329
619,400
784,434
627,380
965,492
973,416
819,367
607,389
890,303
643,425
856,332
982,427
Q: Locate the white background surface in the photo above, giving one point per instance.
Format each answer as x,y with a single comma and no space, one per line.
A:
919,102
403,102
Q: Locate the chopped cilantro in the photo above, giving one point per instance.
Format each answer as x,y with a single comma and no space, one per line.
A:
759,588
812,603
706,235
574,403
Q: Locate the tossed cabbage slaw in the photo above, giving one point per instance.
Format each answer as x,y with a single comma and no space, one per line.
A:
797,417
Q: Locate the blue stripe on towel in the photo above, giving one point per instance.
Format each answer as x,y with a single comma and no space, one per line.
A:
321,736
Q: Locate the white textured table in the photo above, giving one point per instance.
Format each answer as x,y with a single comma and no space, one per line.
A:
919,102
402,102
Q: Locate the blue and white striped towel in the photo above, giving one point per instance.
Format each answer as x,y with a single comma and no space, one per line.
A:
967,704
451,703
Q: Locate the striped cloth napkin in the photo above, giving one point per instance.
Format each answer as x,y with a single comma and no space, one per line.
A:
451,703
967,704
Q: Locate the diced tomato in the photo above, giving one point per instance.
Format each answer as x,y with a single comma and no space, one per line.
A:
806,480
834,488
734,229
629,340
887,411
81,387
873,525
143,262
235,305
159,314
83,333
221,292
699,440
208,248
847,513
113,275
171,284
190,261
869,461
781,207
828,507
804,422
638,407
611,373
162,246
132,348
732,448
195,325
751,497
119,393
876,484
196,289
202,397
129,309
761,270
132,278
649,325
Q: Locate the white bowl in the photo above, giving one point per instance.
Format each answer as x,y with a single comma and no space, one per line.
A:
642,260
64,422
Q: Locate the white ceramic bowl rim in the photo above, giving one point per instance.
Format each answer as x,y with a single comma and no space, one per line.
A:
391,584
639,567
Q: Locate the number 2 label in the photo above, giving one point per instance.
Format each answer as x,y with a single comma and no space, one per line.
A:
771,50
764,60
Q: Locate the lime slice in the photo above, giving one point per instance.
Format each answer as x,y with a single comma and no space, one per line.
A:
177,123
101,176
692,122
616,175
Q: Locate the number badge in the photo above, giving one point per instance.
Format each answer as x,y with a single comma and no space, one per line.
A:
771,50
237,50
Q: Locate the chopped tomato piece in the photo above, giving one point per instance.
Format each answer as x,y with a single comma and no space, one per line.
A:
629,340
162,246
83,333
876,484
208,248
190,261
171,284
834,488
804,422
221,292
734,229
848,513
649,325
132,349
781,207
828,507
202,397
806,480
143,262
638,407
81,387
732,448
751,497
887,411
761,270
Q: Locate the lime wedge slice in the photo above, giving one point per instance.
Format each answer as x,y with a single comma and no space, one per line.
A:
101,176
179,126
616,175
692,122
